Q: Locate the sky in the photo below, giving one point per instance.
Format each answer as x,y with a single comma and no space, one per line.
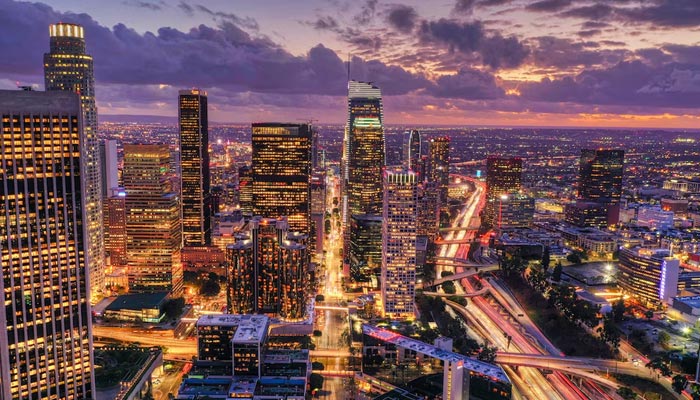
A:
607,63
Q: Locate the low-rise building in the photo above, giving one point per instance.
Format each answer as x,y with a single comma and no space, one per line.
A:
139,307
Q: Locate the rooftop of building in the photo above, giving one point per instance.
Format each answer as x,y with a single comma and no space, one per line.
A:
249,328
692,301
138,301
471,364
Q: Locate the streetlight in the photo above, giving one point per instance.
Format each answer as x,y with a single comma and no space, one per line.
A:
504,197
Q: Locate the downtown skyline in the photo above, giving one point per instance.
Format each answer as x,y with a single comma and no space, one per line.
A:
540,63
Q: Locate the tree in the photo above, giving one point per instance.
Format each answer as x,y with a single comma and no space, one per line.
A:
210,288
556,274
679,383
320,297
660,365
609,332
545,259
317,366
574,258
626,393
487,354
664,338
619,310
649,314
449,287
316,382
317,333
173,307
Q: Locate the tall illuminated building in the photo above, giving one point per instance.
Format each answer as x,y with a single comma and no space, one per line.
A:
245,190
153,226
281,173
116,240
268,270
503,176
45,335
399,242
195,179
600,182
363,155
439,156
412,150
600,175
68,68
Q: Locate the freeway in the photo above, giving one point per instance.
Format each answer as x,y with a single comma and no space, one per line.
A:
172,347
491,325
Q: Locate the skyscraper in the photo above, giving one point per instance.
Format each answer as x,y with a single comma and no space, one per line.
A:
45,335
412,150
503,176
245,190
68,68
599,188
363,155
153,226
281,173
440,166
268,270
399,242
194,168
600,175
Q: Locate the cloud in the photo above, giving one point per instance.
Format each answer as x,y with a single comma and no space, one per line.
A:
468,6
403,18
564,54
324,23
467,84
593,12
225,56
548,5
629,83
495,50
148,5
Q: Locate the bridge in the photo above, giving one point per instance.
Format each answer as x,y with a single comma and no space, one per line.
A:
578,366
477,268
479,292
454,241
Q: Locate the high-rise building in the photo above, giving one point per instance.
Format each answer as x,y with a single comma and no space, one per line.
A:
600,181
439,154
153,228
194,168
245,190
281,173
428,209
503,176
399,242
649,275
268,270
116,240
363,155
365,248
601,175
46,339
516,210
109,165
412,150
318,209
68,68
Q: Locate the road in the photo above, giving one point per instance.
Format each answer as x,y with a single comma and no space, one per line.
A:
172,347
489,323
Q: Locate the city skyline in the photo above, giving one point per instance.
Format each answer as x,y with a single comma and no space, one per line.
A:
547,63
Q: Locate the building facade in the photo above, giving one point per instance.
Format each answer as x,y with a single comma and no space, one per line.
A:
439,154
195,180
412,151
600,181
363,155
281,173
153,227
268,270
45,331
649,275
68,68
503,176
399,243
